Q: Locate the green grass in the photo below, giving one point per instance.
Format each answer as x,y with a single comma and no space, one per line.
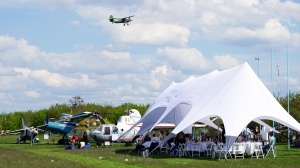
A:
53,155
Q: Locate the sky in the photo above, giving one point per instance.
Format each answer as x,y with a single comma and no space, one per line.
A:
53,50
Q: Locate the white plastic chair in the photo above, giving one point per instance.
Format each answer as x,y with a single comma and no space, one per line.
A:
258,151
208,150
181,150
164,148
195,149
238,150
273,150
222,152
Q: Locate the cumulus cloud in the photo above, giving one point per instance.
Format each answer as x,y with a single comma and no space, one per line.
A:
32,94
272,32
136,62
18,52
192,60
158,75
225,61
150,34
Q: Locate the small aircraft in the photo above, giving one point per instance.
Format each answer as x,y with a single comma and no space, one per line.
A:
112,133
26,133
124,20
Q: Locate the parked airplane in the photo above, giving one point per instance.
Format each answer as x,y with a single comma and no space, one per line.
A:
120,20
111,132
26,133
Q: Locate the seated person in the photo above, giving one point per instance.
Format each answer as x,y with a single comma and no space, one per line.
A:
271,142
297,143
147,138
86,146
202,137
81,144
170,141
258,138
207,137
154,138
181,139
178,139
190,139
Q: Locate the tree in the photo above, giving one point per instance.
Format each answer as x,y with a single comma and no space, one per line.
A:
76,103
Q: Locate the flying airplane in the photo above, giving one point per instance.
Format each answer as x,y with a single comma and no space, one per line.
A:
124,20
111,132
26,133
68,123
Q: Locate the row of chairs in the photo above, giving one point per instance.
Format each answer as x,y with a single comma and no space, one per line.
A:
194,150
238,150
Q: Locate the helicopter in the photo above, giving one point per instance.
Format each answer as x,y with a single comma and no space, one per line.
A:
111,132
85,125
70,125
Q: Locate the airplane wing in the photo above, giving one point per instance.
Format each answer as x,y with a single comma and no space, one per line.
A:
128,16
16,131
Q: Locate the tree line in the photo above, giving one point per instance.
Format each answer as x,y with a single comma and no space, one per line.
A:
12,121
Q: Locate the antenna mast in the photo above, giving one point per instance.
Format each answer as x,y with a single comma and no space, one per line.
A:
278,88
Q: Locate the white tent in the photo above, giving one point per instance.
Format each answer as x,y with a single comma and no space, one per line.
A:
236,95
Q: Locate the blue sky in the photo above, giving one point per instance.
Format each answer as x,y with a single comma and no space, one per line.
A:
51,50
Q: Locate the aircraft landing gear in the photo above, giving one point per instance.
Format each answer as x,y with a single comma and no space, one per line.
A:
64,140
128,144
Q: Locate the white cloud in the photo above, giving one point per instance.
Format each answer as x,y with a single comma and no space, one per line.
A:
273,33
150,34
75,22
55,79
225,61
32,94
18,51
116,55
192,60
183,58
158,76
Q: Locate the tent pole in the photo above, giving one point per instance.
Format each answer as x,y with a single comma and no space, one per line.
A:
258,77
272,81
288,91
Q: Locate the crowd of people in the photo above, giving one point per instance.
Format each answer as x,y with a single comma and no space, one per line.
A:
253,135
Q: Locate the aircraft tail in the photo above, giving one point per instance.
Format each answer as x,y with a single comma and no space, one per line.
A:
23,124
111,18
46,120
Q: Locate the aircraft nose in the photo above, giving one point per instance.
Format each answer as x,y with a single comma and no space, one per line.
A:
92,133
34,132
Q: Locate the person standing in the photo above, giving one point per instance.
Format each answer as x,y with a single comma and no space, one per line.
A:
271,142
223,134
85,137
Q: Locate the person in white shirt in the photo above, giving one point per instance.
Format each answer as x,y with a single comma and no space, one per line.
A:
154,138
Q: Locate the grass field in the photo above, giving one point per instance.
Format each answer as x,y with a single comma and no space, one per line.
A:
53,155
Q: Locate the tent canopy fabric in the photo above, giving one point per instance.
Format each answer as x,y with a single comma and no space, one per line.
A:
235,95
